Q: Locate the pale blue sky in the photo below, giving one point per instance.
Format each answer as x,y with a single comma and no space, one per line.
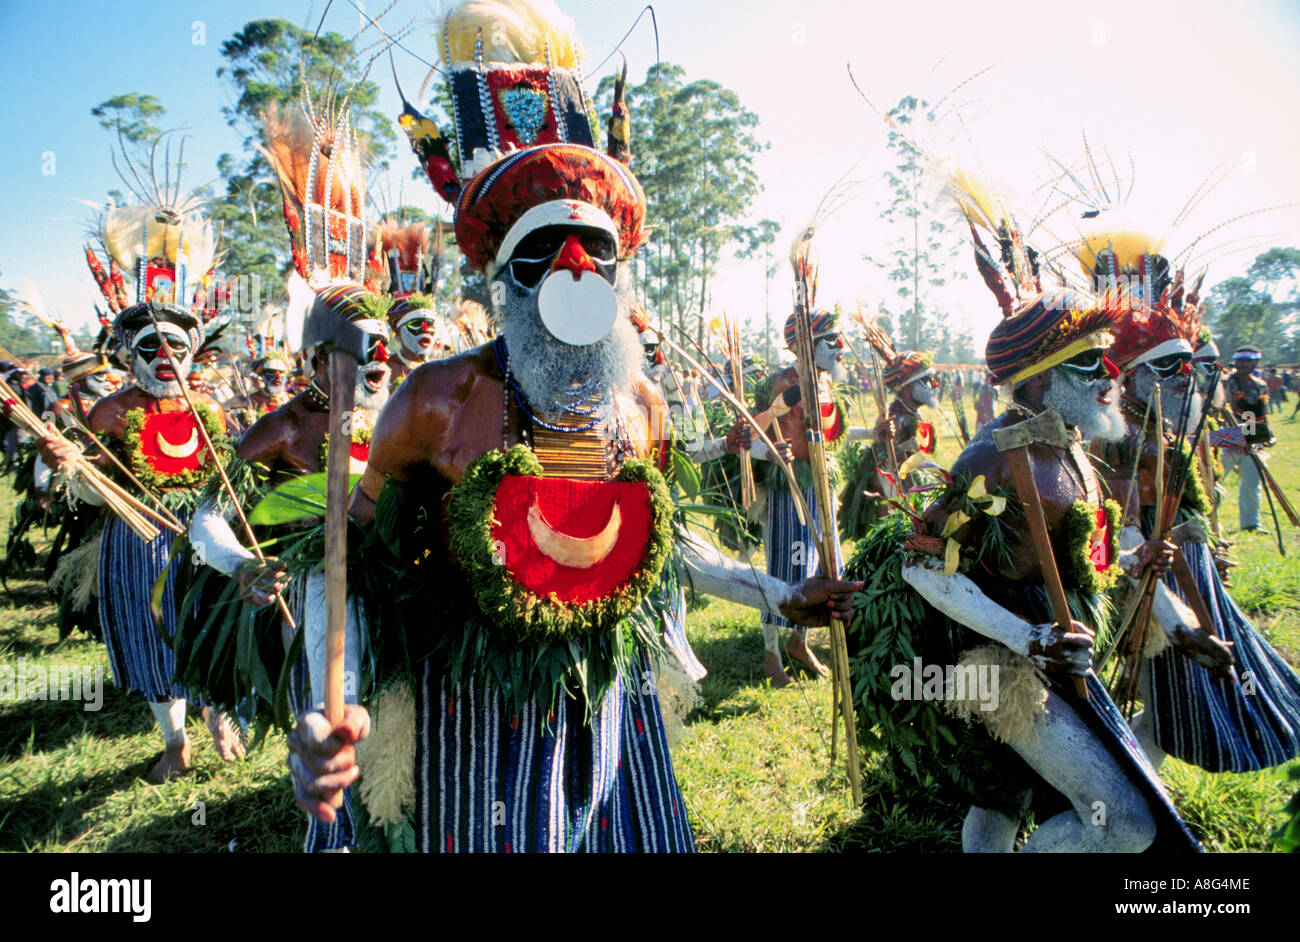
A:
1182,86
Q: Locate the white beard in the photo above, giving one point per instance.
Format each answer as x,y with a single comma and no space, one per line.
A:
547,369
1172,390
1077,403
363,398
830,360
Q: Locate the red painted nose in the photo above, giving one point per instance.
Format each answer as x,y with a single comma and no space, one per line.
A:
1187,369
381,352
1111,369
573,257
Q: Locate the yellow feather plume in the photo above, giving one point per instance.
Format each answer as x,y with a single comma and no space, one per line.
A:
514,31
122,229
1127,245
976,200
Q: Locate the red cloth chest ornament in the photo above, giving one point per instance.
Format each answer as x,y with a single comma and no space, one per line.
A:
925,438
1099,545
580,540
171,443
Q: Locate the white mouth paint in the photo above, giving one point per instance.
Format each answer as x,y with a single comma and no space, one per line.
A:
577,311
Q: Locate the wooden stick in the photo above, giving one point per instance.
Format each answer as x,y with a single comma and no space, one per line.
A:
343,372
1022,473
801,507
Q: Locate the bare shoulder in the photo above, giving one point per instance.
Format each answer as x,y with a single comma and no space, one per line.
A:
109,414
425,407
269,435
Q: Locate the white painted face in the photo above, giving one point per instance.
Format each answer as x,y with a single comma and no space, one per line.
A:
828,354
152,367
924,393
419,335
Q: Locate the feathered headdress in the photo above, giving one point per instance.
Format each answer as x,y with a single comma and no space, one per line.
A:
900,367
1039,329
317,161
162,242
523,136
412,255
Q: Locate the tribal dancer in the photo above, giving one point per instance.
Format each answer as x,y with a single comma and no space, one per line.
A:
273,375
790,546
1191,709
289,443
908,377
1247,403
516,488
986,592
151,428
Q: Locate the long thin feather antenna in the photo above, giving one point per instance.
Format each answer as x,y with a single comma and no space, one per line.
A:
963,83
1181,215
1210,189
654,24
1228,222
1092,166
1207,257
141,193
1119,189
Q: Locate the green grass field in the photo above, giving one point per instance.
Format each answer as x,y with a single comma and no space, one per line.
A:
753,762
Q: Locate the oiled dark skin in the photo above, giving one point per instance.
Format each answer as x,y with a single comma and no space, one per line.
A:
288,440
109,414
449,412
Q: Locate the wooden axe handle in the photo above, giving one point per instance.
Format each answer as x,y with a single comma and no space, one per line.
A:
343,374
1022,473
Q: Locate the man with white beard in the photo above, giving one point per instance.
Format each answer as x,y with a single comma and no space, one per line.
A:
518,522
1191,707
1050,353
156,435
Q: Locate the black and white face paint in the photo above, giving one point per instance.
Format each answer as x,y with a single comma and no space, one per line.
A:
828,354
1087,397
553,372
374,374
97,385
924,392
152,367
419,334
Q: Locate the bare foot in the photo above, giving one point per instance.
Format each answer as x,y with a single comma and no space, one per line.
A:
774,672
225,737
174,763
797,648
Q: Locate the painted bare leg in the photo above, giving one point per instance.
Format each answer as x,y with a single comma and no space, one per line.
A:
985,831
797,648
175,760
1143,723
1109,814
225,737
773,669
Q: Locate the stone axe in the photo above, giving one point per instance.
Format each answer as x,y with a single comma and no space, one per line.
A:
1045,428
348,346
